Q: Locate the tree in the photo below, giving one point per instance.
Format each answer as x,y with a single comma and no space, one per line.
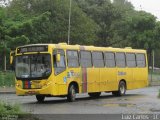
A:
143,34
93,22
51,22
113,19
104,14
3,46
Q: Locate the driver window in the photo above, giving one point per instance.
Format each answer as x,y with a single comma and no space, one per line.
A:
59,66
62,62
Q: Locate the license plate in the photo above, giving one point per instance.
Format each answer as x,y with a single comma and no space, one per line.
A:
31,92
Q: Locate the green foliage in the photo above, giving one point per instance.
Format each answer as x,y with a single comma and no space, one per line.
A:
97,22
93,22
9,109
104,14
7,79
45,21
142,34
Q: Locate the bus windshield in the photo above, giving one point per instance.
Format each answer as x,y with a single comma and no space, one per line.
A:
35,66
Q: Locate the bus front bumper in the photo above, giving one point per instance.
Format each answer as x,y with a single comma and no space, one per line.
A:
48,90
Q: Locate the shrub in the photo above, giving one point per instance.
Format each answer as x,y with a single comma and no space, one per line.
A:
9,109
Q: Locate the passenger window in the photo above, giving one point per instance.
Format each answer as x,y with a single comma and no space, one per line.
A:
109,59
85,59
59,66
120,60
72,57
131,60
98,61
141,61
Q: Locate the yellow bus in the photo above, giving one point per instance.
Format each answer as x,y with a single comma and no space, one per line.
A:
61,70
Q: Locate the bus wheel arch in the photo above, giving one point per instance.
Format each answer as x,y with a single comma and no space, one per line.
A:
123,80
122,87
75,85
73,88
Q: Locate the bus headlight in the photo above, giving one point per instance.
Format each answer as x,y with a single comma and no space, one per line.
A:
18,85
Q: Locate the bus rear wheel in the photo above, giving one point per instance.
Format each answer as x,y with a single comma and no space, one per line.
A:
121,89
94,95
71,97
40,98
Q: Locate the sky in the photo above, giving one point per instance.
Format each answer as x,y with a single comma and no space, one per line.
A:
151,6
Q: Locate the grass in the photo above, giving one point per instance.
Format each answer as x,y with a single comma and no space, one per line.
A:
7,79
154,76
9,109
13,112
154,79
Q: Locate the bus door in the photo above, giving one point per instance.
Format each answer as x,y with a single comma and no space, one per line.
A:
59,64
73,70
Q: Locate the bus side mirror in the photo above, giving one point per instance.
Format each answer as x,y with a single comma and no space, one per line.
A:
12,54
11,60
58,57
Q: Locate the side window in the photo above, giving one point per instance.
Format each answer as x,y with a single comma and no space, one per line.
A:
61,65
120,60
72,57
131,60
110,59
98,61
141,61
85,59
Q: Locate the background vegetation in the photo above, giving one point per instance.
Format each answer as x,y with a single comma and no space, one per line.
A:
9,109
13,112
93,22
7,79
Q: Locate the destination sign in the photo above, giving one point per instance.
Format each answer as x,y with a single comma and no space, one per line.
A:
32,49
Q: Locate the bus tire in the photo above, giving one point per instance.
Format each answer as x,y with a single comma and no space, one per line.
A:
121,89
94,95
40,98
71,97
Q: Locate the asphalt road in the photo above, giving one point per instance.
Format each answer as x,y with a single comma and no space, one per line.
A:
140,101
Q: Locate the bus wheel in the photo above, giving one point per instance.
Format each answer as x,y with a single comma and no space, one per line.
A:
121,89
40,98
94,95
71,97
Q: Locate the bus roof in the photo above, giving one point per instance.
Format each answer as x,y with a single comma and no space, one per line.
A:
84,47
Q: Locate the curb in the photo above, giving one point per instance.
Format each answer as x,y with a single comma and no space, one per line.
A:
154,83
7,92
